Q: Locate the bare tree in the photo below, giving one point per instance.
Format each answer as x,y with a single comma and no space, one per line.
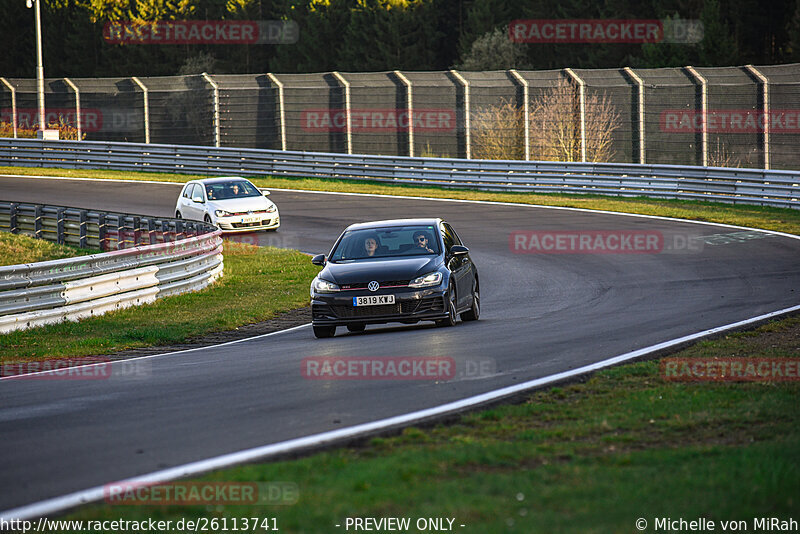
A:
497,132
555,125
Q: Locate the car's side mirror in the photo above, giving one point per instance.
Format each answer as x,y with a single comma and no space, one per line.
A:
458,250
264,192
319,259
198,200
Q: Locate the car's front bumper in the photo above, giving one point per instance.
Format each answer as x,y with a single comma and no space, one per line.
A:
268,221
411,305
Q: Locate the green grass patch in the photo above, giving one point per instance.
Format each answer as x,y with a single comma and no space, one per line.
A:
258,283
778,219
16,249
587,457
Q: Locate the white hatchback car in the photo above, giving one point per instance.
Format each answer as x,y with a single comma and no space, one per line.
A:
231,203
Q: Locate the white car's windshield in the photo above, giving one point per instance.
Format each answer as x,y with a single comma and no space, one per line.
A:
233,189
386,242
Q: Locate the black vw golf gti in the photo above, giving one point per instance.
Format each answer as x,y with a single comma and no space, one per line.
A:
405,270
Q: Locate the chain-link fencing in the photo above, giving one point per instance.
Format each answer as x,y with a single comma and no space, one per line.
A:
716,116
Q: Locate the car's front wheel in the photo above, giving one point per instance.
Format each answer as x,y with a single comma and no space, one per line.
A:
207,218
474,312
178,215
451,311
324,331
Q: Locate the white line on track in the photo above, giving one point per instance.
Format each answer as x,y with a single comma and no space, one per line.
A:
58,504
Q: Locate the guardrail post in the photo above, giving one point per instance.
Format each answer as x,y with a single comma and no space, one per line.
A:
703,110
582,110
82,226
409,109
77,105
640,85
215,87
137,231
347,116
467,133
37,222
101,230
151,231
13,104
180,229
146,109
12,218
281,108
165,233
60,225
525,111
764,110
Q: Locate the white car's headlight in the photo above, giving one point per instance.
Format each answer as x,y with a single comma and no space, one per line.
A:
430,279
272,208
222,213
323,286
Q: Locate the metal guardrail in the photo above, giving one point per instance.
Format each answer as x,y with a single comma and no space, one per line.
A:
147,258
731,185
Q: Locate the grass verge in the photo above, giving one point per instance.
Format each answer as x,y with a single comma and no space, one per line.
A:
258,283
16,249
777,219
586,457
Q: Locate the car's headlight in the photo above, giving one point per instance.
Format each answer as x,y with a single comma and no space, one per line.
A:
323,286
430,279
272,209
222,213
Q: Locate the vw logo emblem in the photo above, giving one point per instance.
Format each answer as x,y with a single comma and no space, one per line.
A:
373,286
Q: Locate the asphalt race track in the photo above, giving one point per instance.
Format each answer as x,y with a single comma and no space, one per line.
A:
541,314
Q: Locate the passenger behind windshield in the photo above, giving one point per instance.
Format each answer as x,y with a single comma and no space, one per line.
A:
385,243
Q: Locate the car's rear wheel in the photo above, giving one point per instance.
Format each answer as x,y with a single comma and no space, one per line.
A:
474,312
451,313
324,331
358,327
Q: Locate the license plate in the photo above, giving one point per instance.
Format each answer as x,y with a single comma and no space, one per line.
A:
250,219
373,300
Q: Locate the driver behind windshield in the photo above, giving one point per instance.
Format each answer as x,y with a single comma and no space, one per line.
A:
421,242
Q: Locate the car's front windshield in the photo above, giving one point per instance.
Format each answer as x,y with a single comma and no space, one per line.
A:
396,241
232,189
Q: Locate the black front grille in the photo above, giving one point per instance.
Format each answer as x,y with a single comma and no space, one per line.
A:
250,225
401,308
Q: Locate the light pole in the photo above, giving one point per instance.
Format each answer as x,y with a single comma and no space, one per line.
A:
39,65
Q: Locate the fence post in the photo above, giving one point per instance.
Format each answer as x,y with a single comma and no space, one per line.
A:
582,110
12,218
467,132
348,124
13,104
82,228
77,104
764,109
101,231
640,85
214,85
60,226
37,221
409,110
146,109
703,110
525,111
281,108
